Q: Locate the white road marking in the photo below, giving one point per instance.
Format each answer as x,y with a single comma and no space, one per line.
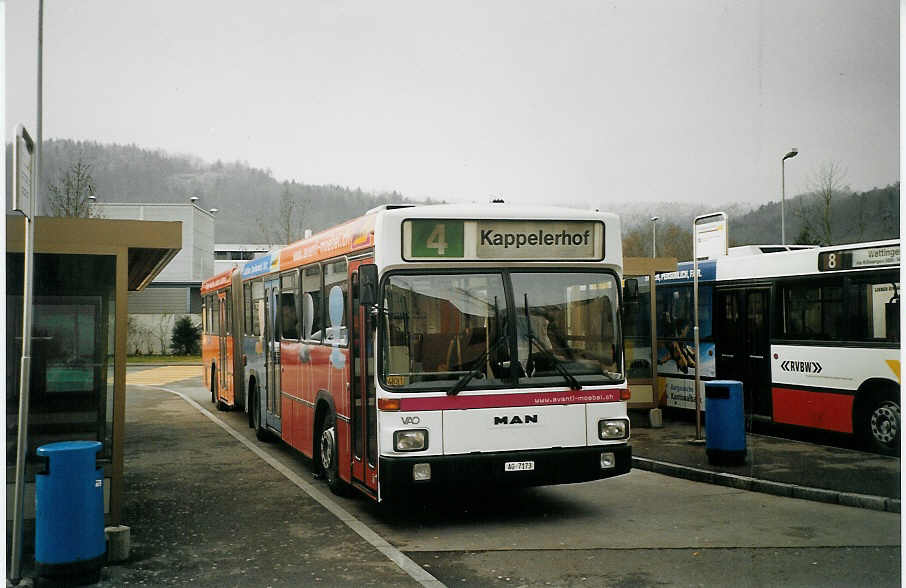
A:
415,571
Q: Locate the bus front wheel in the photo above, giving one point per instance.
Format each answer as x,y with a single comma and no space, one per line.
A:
880,423
329,455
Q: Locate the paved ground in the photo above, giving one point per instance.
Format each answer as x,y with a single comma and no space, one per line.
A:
190,527
836,472
192,524
162,375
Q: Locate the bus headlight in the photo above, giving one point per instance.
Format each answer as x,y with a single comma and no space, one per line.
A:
609,429
414,440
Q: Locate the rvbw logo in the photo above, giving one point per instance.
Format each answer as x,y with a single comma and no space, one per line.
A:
516,420
802,367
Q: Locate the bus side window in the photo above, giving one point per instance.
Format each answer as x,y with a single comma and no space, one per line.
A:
257,307
336,290
289,317
311,303
215,316
247,309
874,305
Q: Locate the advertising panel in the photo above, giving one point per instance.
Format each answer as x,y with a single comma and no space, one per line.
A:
680,392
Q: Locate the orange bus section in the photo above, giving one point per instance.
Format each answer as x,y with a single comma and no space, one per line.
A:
421,344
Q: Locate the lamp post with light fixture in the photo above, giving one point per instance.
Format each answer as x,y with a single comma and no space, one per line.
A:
792,153
653,220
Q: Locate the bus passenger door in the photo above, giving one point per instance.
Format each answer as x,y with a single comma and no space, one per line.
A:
272,354
363,404
758,351
223,361
743,346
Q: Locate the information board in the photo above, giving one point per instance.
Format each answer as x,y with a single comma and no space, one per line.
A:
498,239
845,259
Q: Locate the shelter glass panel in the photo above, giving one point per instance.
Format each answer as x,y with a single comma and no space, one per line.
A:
73,330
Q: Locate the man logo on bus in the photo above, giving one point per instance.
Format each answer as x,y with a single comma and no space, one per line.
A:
516,420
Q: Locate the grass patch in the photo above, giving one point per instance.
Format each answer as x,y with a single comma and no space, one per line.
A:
169,359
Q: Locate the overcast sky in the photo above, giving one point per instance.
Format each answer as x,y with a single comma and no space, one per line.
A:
581,103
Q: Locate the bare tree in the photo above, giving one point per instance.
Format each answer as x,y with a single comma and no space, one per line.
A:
139,337
69,196
162,330
816,208
284,225
635,242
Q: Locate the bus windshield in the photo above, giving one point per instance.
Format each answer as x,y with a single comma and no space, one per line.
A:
450,331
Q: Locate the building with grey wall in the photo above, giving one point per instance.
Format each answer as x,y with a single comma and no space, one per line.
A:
176,291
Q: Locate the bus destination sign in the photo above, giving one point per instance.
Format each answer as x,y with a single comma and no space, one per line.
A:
503,239
846,259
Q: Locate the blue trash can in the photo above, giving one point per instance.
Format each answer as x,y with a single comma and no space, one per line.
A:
725,423
69,512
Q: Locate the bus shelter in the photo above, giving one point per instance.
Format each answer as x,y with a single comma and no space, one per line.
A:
640,329
83,271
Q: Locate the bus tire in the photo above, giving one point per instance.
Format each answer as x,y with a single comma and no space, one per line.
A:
878,421
251,405
260,432
328,456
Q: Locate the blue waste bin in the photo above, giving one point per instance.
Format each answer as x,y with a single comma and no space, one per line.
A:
725,424
69,512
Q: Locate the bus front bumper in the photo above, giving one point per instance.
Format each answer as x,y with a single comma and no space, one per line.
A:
483,470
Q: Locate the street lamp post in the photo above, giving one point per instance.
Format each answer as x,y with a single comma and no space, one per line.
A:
653,220
793,153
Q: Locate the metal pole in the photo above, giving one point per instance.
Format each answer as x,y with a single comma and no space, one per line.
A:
698,399
653,220
27,315
792,153
654,239
782,201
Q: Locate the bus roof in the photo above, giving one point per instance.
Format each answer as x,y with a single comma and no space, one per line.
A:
763,261
217,281
358,234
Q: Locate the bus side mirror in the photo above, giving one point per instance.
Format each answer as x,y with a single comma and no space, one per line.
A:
631,290
368,283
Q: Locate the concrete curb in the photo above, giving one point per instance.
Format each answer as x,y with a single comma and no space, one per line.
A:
776,488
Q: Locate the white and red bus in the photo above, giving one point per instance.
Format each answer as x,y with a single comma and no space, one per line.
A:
813,334
439,346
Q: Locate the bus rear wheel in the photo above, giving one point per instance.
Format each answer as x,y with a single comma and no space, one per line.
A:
880,423
251,406
255,410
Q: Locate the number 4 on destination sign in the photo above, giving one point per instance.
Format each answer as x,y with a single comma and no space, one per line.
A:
432,238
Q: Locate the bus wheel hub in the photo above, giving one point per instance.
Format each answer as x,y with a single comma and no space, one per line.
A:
327,443
885,421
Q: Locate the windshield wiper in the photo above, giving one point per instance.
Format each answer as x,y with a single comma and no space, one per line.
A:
558,365
464,381
613,376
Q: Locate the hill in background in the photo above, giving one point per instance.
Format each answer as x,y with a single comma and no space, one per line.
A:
248,197
242,194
